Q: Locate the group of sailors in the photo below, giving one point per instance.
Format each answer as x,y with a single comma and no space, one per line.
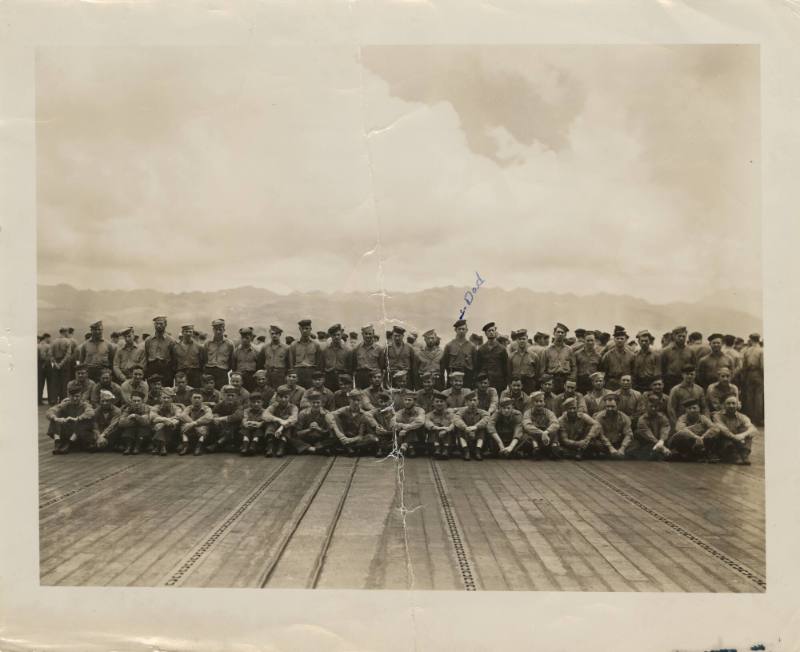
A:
596,395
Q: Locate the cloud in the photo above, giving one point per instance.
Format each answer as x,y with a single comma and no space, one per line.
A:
622,169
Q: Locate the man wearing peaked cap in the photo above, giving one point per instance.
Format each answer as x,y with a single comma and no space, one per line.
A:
305,355
460,354
336,358
159,352
399,355
189,357
218,354
492,359
559,359
95,352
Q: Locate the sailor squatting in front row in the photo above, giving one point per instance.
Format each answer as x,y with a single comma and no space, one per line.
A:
523,400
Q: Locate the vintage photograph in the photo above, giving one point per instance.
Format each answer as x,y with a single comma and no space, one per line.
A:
444,317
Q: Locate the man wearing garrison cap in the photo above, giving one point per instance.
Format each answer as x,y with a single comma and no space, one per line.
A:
95,353
492,359
245,358
166,422
559,359
617,361
159,352
353,427
615,427
651,434
429,358
440,426
541,427
460,354
579,434
708,367
274,358
127,356
366,358
305,355
70,421
675,357
189,356
224,429
399,355
218,354
335,357
505,430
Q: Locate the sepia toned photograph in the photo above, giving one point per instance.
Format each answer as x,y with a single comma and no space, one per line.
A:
441,317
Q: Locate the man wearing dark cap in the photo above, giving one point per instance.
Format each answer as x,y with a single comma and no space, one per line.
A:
471,427
218,354
695,342
336,358
752,375
440,426
295,391
366,358
651,434
71,421
156,383
579,434
540,342
488,398
541,427
505,429
353,427
708,367
618,361
429,359
656,391
492,359
245,358
675,357
587,361
460,354
646,362
559,359
62,356
399,356
127,356
95,353
227,418
734,433
305,355
159,352
189,356
274,358
524,362
682,392
317,387
694,435
615,427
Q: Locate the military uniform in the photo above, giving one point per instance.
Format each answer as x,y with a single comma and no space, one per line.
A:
559,362
78,428
190,359
525,363
733,436
541,426
709,366
595,401
673,360
126,358
218,354
224,430
441,431
166,423
460,355
336,359
62,361
579,436
135,429
587,362
520,401
245,362
558,405
488,400
717,393
274,359
313,430
305,357
105,426
651,428
492,359
615,430
194,429
646,368
752,376
429,360
505,428
616,363
680,394
129,388
354,428
684,442
471,429
455,398
116,390
251,429
159,351
411,428
96,355
402,357
365,361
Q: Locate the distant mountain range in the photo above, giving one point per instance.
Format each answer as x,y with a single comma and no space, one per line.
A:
433,308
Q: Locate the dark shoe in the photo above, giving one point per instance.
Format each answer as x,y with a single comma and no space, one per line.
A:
128,450
251,450
465,454
56,447
478,454
279,450
445,454
163,451
183,449
198,450
379,452
411,452
436,452
244,448
578,457
212,448
268,450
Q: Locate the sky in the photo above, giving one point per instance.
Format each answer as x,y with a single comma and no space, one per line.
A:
577,169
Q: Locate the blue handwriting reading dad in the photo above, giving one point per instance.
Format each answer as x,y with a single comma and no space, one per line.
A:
469,295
